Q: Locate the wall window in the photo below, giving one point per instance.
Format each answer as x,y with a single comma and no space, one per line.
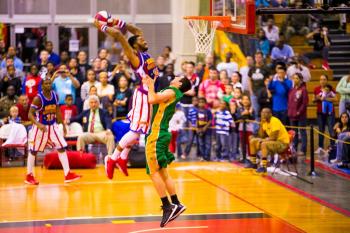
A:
114,6
69,7
153,6
3,7
31,6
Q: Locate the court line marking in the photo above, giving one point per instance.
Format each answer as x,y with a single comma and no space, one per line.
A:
24,186
120,217
169,228
244,200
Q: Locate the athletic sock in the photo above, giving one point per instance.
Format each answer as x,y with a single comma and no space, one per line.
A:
174,199
64,161
125,153
253,159
30,163
264,162
165,201
116,154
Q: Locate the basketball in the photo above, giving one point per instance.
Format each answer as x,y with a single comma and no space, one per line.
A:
104,17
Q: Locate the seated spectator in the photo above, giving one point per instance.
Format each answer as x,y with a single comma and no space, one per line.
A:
83,64
279,89
204,132
23,110
96,125
271,32
262,44
50,69
32,83
343,88
223,77
122,98
13,117
298,67
96,66
11,79
10,62
53,57
8,101
272,138
161,65
63,83
92,91
168,56
297,106
279,3
105,91
121,69
223,123
281,52
321,46
210,88
342,130
11,53
68,110
323,120
236,80
297,24
91,81
64,57
261,3
229,65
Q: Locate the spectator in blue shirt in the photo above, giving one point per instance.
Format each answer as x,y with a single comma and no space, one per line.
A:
11,53
279,89
204,121
53,57
63,83
281,52
263,44
223,123
192,119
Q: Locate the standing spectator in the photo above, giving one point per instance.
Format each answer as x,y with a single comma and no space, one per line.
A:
229,65
9,62
263,44
211,88
75,72
209,62
168,56
50,69
271,32
32,83
257,75
223,123
298,67
323,120
236,80
297,24
92,91
11,52
23,109
264,96
161,65
175,125
342,130
104,54
63,83
91,81
68,110
281,52
44,59
223,77
321,46
105,91
9,100
279,89
204,132
11,79
122,97
244,73
53,57
297,105
343,88
96,66
64,57
228,93
83,65
164,82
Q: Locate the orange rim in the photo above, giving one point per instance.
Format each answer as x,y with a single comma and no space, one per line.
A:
225,20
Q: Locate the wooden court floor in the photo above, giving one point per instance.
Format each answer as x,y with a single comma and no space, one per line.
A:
220,197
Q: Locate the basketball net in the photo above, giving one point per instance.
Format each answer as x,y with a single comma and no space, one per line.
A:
203,32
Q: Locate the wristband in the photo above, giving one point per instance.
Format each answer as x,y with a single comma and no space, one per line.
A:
103,28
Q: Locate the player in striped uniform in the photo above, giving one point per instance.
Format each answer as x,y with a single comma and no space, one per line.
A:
44,113
135,48
157,143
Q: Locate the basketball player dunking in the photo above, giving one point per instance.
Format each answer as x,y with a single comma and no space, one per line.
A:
45,113
135,48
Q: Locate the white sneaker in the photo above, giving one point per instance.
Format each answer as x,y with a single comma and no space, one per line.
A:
333,161
319,150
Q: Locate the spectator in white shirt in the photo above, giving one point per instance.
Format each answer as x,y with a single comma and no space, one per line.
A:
271,32
244,72
91,81
298,67
228,65
104,90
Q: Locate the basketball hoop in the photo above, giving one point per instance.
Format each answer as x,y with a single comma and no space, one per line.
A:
203,29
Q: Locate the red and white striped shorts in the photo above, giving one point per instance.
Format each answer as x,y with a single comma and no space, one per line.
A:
38,140
140,113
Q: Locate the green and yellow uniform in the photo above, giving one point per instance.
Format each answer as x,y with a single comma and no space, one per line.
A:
157,141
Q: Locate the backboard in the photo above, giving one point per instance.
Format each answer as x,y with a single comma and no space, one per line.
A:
242,13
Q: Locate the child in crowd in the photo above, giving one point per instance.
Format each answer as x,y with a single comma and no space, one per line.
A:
223,123
245,112
234,139
14,118
327,106
192,134
92,91
237,98
175,125
228,93
204,121
68,110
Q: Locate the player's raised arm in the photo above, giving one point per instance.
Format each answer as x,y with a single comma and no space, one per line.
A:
118,35
159,97
123,26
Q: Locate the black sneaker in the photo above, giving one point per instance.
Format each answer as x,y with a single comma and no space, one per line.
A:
251,165
179,210
168,213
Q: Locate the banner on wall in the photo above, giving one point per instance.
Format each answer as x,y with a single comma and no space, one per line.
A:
223,45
